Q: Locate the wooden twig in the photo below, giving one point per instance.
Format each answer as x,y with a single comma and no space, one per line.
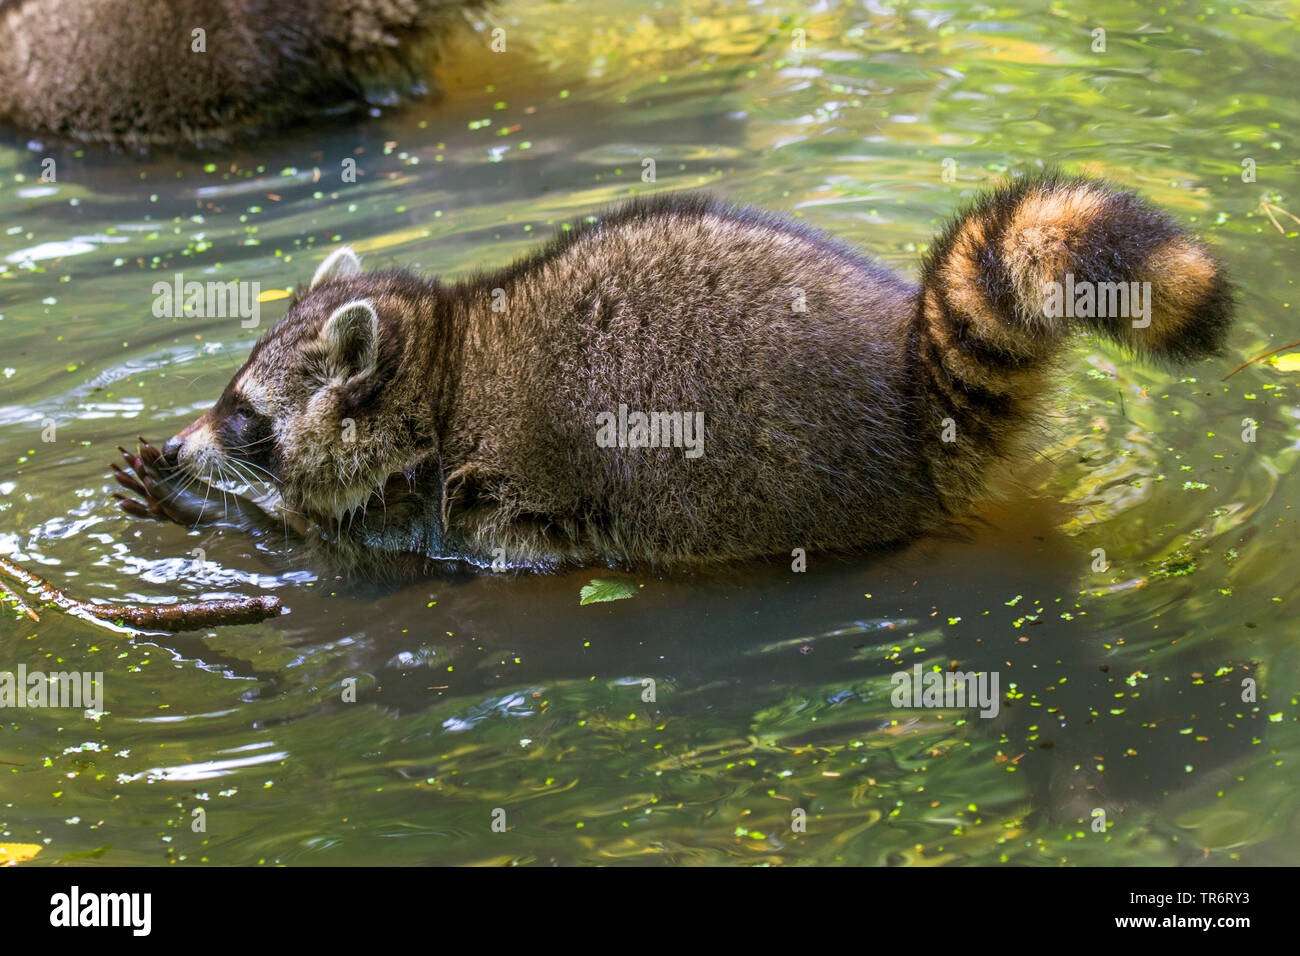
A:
188,616
1268,208
17,601
1280,348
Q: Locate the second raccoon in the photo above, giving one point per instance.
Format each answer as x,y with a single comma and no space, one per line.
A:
401,419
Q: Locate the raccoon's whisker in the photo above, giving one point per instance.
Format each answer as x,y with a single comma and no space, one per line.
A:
255,473
239,477
289,511
242,470
240,473
191,478
251,444
259,440
233,477
270,479
176,492
239,468
207,484
222,479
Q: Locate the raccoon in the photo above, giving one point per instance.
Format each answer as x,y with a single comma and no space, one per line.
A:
135,73
797,395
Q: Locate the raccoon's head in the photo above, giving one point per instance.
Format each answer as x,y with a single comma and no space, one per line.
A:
315,410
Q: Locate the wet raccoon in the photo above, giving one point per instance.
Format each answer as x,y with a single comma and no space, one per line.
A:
841,407
134,73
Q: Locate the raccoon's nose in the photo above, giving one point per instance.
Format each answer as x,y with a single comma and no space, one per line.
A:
177,441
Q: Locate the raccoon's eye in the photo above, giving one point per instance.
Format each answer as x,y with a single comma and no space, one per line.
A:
243,411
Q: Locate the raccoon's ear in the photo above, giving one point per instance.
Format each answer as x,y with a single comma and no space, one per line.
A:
350,337
342,263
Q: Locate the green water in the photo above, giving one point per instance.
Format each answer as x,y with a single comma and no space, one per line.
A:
772,688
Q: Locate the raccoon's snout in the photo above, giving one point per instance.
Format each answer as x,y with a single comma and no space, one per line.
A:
172,449
190,442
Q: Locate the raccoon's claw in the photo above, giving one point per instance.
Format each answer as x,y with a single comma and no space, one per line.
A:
160,489
144,480
148,454
126,481
131,506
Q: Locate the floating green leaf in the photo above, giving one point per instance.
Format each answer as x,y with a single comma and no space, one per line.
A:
607,589
94,854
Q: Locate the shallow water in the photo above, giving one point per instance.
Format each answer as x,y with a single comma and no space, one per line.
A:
772,688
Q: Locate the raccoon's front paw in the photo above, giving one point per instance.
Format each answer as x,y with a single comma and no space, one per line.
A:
164,498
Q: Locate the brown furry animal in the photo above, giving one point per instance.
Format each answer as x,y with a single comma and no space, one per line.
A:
794,394
129,72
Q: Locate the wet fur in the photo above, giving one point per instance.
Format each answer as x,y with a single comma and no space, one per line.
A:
122,71
475,430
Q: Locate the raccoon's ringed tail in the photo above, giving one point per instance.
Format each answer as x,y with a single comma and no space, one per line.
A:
1008,279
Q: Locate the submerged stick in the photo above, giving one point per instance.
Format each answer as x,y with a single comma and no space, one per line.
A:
1289,345
189,616
16,599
